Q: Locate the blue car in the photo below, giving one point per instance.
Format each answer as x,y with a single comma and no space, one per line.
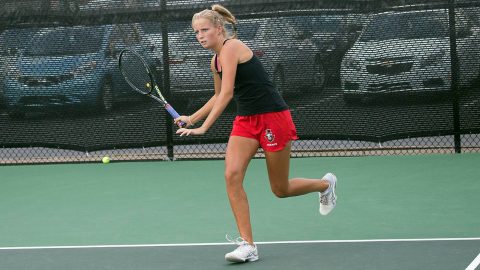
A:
71,67
12,42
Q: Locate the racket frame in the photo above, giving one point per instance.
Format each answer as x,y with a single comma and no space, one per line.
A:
153,85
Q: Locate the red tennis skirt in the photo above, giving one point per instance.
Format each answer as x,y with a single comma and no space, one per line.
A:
273,130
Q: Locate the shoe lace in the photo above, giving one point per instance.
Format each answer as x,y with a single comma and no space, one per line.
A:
239,241
324,198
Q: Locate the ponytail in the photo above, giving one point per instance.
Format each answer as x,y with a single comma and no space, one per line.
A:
227,16
219,15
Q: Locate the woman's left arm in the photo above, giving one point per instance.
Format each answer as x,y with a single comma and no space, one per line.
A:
229,59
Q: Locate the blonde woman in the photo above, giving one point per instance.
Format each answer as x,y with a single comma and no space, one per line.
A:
263,120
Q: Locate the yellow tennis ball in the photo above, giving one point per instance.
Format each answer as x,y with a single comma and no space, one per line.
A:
106,160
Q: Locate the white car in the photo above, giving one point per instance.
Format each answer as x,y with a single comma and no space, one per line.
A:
409,52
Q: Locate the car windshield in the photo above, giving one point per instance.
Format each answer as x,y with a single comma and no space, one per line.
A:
407,26
66,41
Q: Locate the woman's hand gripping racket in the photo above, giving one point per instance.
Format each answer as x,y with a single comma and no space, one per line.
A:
138,75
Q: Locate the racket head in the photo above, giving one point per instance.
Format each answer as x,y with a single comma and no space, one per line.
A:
136,72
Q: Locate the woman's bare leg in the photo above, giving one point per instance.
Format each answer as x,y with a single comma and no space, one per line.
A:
240,151
278,165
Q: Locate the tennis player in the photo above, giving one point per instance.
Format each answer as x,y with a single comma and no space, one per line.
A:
263,120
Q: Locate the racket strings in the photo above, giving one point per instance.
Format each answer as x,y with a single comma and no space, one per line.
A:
135,72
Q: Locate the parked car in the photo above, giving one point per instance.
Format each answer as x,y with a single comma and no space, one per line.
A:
189,64
12,43
290,58
71,67
332,35
287,54
409,52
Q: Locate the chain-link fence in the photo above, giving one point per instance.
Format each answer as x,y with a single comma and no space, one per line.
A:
360,77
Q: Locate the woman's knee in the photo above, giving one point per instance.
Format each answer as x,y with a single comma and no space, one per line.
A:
233,177
280,191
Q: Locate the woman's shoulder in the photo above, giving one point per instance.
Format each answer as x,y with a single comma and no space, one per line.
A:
235,45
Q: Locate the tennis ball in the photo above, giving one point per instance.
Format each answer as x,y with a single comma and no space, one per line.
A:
106,160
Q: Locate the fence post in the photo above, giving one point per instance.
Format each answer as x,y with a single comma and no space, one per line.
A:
455,76
166,76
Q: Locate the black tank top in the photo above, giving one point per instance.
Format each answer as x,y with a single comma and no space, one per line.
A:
254,92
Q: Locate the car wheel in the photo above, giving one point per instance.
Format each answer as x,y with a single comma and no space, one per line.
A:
279,80
319,74
106,99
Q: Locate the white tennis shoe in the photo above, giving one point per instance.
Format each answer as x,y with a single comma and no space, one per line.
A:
243,253
328,198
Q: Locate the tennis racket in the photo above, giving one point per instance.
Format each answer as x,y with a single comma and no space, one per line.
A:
138,75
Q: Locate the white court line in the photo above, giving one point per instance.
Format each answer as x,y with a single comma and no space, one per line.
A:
259,243
474,263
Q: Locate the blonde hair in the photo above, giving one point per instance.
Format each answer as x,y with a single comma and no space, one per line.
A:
218,16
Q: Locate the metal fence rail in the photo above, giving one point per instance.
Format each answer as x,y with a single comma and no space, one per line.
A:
360,77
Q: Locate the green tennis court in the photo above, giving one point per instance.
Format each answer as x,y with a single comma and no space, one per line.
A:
393,212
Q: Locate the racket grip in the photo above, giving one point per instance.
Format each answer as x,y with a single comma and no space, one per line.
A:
175,115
